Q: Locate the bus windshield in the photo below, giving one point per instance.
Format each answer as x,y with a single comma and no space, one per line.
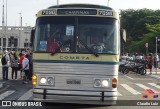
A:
64,34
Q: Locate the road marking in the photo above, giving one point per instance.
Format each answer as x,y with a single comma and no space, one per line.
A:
128,77
155,85
144,87
130,89
119,94
27,95
7,93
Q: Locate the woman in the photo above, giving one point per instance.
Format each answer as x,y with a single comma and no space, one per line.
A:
14,65
21,55
150,62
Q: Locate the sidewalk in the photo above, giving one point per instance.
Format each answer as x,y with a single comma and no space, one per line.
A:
2,82
155,74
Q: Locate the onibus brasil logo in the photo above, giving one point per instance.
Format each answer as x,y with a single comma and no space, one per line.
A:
151,94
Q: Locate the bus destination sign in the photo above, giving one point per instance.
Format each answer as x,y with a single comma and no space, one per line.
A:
48,12
77,12
105,13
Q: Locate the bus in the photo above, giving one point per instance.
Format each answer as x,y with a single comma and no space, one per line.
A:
76,50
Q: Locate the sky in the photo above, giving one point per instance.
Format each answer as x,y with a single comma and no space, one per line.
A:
29,8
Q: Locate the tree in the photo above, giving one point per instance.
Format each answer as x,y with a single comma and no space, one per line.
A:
142,27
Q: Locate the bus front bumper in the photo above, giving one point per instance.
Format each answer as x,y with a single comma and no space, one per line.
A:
84,97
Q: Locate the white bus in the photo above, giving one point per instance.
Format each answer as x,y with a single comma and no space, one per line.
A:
76,54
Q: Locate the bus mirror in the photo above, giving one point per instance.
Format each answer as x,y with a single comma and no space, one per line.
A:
123,34
32,37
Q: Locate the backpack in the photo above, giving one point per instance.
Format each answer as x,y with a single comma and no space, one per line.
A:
3,60
15,62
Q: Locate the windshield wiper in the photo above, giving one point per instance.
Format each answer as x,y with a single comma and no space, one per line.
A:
88,48
69,41
64,43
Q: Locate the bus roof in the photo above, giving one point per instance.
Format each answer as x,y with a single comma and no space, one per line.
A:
80,6
79,10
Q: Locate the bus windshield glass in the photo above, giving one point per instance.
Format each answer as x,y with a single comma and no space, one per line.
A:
64,34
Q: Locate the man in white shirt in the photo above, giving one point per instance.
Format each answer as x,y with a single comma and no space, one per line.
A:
25,67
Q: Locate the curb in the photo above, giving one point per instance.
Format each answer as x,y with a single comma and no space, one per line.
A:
154,76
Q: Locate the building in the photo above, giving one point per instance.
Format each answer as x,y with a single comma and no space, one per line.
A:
14,37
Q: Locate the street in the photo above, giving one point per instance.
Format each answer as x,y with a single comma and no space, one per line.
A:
131,87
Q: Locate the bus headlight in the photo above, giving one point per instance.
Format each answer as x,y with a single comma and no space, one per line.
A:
105,83
43,80
50,81
97,83
46,80
102,82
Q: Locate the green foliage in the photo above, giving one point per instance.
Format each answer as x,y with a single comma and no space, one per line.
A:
142,26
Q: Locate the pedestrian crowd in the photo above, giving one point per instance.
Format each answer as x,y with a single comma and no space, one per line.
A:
19,62
151,59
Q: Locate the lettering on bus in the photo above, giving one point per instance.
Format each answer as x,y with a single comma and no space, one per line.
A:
48,12
105,13
76,12
74,57
73,81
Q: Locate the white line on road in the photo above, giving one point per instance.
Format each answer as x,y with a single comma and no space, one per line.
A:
155,85
128,77
119,94
143,86
7,93
27,95
130,89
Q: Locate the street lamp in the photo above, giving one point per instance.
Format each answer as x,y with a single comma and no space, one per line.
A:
146,48
108,3
57,2
20,28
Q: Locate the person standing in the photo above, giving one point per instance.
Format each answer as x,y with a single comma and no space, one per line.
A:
150,62
21,55
5,65
25,68
14,65
30,67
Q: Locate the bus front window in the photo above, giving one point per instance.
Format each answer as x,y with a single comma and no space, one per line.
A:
60,34
52,32
100,34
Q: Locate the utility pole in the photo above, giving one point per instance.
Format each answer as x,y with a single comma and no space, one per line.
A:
20,29
108,3
6,13
57,2
157,40
146,48
3,14
3,25
156,56
6,26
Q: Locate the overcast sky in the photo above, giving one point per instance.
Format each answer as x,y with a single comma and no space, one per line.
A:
29,8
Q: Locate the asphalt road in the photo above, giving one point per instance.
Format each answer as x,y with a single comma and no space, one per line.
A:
130,87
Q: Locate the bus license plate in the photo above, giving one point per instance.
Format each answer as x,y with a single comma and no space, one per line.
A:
73,81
